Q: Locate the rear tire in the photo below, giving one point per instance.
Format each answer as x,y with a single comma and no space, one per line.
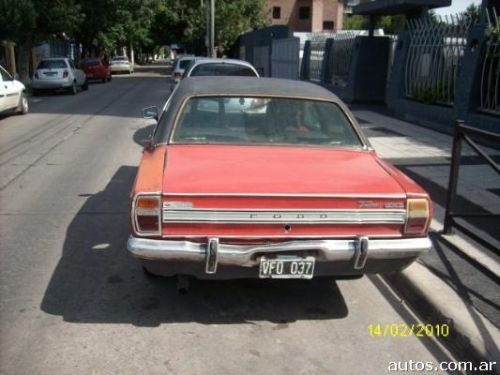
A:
85,86
74,89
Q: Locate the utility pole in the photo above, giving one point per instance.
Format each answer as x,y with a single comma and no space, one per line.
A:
207,33
212,28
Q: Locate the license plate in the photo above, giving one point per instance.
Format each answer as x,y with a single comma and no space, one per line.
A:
286,267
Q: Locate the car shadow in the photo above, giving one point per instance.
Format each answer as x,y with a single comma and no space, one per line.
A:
97,281
144,134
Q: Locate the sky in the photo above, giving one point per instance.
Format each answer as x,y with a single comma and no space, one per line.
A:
457,6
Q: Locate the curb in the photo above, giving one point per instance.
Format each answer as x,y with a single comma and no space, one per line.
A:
472,337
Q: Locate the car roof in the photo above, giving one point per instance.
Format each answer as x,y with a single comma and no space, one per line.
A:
54,58
252,86
208,60
237,86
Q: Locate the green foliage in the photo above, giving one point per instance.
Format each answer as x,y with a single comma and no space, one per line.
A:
104,25
55,18
434,94
355,22
472,12
17,20
390,24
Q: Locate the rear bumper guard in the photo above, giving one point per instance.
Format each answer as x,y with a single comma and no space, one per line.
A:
213,252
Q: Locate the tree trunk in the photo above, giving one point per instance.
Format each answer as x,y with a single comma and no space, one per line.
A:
23,63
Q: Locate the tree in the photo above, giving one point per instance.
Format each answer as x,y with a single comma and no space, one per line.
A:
390,24
184,21
17,20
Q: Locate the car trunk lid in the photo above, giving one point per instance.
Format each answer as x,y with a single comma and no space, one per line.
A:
261,191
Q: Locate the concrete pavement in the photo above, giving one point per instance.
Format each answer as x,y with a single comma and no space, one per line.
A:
459,280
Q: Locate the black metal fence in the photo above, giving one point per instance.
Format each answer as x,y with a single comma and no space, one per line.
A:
468,135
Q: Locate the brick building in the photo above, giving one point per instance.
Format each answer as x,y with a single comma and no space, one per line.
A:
306,15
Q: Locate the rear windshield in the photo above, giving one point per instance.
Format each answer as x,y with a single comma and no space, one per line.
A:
219,69
264,121
52,64
91,62
183,64
119,59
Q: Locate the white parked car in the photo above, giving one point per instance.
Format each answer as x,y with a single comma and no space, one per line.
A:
180,64
58,73
12,94
120,64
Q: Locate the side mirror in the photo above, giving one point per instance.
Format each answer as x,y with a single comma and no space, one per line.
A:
147,143
150,112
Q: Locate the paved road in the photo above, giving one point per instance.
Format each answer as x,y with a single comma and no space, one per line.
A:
72,301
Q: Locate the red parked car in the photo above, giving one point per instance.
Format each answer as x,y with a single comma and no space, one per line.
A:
95,70
269,178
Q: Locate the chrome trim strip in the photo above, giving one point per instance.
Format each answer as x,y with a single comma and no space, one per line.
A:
248,255
282,237
390,196
348,216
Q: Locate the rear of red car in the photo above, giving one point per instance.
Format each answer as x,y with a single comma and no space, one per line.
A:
95,70
270,187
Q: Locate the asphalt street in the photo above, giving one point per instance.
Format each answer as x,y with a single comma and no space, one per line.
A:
72,300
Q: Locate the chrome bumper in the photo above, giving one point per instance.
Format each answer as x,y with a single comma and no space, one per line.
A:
213,252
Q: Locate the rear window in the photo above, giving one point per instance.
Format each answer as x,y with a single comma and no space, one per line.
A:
183,64
91,62
52,64
219,69
263,121
120,59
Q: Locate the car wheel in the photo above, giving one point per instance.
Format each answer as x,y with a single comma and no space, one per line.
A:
23,106
74,89
35,92
85,86
110,78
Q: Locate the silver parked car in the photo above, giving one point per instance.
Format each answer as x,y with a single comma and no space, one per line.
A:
204,66
58,73
121,64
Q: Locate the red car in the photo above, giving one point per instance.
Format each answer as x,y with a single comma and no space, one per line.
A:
95,70
269,178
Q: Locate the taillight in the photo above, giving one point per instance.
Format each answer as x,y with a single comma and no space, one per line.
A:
146,214
417,216
65,74
177,75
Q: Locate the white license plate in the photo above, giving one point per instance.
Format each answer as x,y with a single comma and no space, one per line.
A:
286,267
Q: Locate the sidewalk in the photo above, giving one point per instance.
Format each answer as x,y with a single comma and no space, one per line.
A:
465,277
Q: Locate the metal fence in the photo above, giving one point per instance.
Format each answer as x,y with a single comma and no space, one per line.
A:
490,72
343,47
434,58
318,42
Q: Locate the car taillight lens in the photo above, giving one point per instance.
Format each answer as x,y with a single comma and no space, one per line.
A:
177,75
417,216
146,212
65,74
